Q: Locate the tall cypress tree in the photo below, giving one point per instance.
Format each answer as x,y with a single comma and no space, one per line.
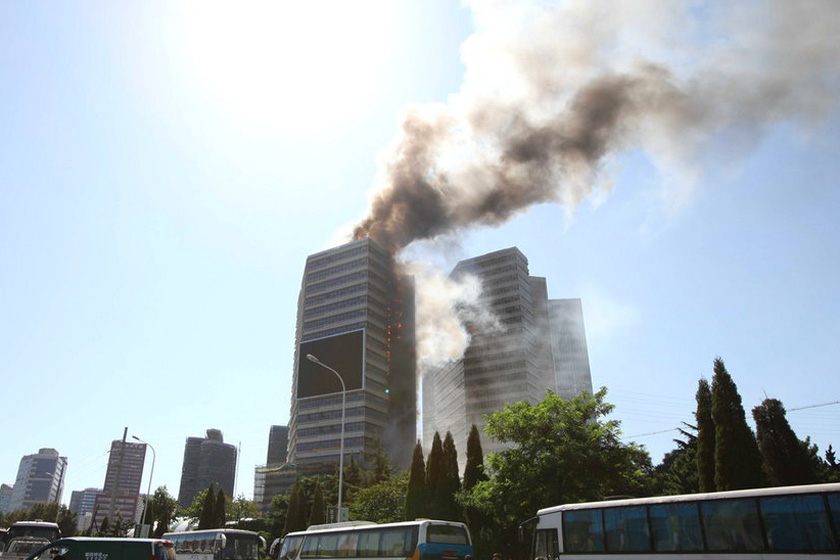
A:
450,481
737,458
296,515
208,509
415,498
219,515
786,460
318,513
434,477
473,474
705,437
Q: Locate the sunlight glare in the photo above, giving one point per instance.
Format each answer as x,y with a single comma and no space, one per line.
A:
306,68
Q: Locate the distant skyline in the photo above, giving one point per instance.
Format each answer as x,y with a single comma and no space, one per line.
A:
165,169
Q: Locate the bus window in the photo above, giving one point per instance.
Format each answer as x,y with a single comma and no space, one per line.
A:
796,523
396,542
369,544
289,549
446,534
545,545
583,531
676,527
627,529
347,543
732,525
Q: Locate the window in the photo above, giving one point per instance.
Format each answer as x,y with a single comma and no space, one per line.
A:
676,527
732,525
446,534
583,531
627,529
545,545
796,523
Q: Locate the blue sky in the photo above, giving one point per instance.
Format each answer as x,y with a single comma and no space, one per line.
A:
165,169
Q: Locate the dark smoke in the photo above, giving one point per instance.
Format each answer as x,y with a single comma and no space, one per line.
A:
578,97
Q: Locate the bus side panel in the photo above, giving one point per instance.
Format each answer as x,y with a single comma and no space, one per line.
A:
430,551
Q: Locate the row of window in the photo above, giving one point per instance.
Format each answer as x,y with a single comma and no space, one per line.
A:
329,259
360,276
308,325
326,273
337,294
333,307
800,523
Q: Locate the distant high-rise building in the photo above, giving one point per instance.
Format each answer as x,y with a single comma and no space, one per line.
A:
207,461
355,315
278,442
82,505
83,501
120,494
276,476
536,345
5,495
40,480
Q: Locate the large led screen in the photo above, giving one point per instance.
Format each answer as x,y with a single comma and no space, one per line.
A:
344,353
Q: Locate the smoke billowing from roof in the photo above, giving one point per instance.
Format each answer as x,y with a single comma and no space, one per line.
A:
553,89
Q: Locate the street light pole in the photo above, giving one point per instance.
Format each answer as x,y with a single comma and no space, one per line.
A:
312,358
147,512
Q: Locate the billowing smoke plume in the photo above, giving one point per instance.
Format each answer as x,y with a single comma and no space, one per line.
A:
553,89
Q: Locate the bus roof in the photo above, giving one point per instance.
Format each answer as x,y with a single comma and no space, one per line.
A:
362,525
748,493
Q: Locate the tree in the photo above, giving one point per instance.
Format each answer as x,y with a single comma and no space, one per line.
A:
560,451
219,516
737,458
473,474
380,464
434,477
318,512
705,453
786,459
415,498
240,509
450,482
383,502
164,507
208,510
678,472
296,515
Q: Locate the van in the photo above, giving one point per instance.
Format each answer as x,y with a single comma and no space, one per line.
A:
104,548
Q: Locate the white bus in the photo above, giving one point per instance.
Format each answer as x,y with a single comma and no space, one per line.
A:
217,544
423,539
779,523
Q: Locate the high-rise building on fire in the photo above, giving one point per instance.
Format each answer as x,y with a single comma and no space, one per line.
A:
355,315
207,461
40,480
537,345
119,500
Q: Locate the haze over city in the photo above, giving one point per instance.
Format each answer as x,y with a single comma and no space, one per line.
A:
166,168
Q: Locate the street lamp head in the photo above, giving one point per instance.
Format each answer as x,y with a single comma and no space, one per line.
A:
312,358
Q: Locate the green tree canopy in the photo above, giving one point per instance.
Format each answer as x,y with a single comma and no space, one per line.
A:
737,458
207,520
383,502
560,451
786,459
705,453
296,516
415,499
450,482
318,513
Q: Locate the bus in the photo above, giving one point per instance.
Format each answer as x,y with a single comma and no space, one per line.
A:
779,523
423,539
217,544
31,529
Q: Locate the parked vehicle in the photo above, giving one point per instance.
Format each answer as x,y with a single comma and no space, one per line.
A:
99,548
21,547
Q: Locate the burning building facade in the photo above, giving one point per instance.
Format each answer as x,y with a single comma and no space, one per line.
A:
533,345
356,316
